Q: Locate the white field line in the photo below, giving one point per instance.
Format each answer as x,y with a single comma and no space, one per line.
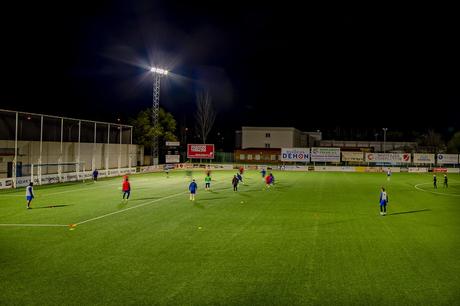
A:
133,207
129,208
80,189
440,193
33,225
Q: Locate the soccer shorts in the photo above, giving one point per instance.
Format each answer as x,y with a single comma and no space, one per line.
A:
29,198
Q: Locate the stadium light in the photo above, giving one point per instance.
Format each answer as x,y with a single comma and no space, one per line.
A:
158,73
384,138
159,70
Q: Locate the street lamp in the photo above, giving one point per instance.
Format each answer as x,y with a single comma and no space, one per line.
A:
157,74
384,138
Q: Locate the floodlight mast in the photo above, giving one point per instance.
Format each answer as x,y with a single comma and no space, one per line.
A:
157,74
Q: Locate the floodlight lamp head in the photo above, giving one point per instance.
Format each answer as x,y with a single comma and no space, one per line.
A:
159,71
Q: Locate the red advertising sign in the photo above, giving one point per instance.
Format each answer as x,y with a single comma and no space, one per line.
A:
205,151
439,169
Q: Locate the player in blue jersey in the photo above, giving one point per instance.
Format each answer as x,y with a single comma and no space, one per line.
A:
192,188
239,177
263,172
383,202
29,194
95,175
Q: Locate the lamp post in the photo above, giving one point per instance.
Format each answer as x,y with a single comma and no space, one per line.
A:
157,74
384,139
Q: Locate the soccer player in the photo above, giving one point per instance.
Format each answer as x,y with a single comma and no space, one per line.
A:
388,174
166,168
272,179
29,194
263,172
383,202
126,188
95,174
445,181
241,170
435,184
207,182
268,180
192,188
235,181
239,177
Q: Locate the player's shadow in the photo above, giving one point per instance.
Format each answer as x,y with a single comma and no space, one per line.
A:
409,212
198,205
53,206
209,199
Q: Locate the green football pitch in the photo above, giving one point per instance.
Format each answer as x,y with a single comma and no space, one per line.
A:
313,239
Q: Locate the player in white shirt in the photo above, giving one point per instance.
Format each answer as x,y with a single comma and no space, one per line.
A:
383,202
29,194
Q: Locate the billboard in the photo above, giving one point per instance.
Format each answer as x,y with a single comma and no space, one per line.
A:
325,154
423,158
205,151
295,154
172,143
353,156
172,159
447,159
387,157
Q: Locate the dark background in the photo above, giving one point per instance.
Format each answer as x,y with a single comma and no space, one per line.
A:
348,71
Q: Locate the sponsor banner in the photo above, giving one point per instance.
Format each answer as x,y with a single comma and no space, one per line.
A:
172,159
453,170
184,166
439,169
295,154
154,168
387,157
172,143
293,168
447,159
6,183
353,156
22,181
423,158
335,168
418,170
325,154
205,151
360,169
392,169
214,166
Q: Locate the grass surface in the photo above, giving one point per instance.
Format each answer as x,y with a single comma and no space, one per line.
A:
313,239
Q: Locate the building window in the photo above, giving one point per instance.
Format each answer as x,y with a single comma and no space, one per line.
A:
267,135
267,146
257,157
242,156
273,157
249,156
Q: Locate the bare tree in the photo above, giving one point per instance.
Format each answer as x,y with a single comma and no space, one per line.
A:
205,114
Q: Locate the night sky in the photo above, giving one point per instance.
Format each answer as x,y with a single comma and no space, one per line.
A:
276,65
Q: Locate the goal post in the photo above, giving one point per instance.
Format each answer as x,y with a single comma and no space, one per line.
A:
55,172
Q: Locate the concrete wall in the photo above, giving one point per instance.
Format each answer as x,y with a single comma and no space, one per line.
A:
29,152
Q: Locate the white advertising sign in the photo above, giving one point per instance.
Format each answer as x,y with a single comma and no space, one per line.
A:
295,154
172,159
447,159
353,156
387,157
325,154
172,143
423,158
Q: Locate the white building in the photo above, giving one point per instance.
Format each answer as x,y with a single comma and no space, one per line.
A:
275,137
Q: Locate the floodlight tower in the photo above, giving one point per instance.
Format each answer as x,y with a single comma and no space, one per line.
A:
158,73
384,138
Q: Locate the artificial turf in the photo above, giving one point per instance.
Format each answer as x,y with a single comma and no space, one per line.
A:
313,239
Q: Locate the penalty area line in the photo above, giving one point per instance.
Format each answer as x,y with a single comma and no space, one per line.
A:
33,225
129,208
434,192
